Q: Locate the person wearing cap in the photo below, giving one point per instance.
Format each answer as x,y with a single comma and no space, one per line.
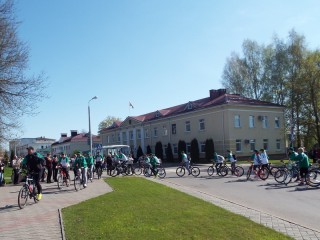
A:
80,162
64,162
34,163
49,167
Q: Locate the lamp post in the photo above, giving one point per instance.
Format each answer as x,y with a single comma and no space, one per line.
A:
90,135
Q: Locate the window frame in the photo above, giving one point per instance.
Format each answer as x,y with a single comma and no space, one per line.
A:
237,121
202,122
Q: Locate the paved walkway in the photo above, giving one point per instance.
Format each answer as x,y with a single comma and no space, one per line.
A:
296,231
41,220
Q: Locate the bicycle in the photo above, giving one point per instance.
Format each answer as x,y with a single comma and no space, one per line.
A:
313,177
28,190
221,171
99,172
181,170
236,170
78,179
161,172
90,174
62,178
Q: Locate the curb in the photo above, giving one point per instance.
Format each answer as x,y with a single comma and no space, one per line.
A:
63,236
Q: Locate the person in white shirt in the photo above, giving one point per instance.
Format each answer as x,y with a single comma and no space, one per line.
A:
232,159
264,159
185,161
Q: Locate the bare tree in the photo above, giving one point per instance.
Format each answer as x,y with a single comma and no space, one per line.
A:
19,93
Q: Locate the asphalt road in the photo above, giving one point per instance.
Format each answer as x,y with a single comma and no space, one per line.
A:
299,205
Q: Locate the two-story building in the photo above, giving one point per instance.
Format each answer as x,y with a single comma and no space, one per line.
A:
232,121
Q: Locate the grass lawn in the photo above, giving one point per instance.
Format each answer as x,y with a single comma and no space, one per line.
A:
141,209
7,174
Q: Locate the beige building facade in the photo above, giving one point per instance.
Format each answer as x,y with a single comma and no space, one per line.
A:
233,122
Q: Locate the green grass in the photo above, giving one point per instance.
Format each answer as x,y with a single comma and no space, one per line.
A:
141,209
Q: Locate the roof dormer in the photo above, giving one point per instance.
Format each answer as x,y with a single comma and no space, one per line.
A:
189,106
158,114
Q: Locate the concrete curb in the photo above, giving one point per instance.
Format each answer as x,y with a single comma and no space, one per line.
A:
63,236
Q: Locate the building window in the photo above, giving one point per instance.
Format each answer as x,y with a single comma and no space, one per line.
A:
188,127
265,144
278,144
265,122
175,148
146,133
131,135
119,137
155,132
238,145
251,121
188,147
165,131
108,139
252,145
112,137
139,133
174,128
202,125
277,122
202,147
237,121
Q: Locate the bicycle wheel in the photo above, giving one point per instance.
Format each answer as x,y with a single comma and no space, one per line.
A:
313,178
195,171
77,183
223,171
114,172
263,174
161,172
238,171
210,170
138,170
147,172
23,196
289,177
99,173
280,176
60,182
249,173
180,171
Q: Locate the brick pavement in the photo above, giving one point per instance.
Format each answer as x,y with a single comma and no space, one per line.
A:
41,220
281,225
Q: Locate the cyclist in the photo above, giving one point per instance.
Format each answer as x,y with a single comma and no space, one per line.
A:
98,159
292,157
154,161
90,163
304,164
255,157
232,159
218,159
80,162
185,161
34,163
64,162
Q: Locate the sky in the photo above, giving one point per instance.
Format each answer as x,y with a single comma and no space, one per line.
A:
152,53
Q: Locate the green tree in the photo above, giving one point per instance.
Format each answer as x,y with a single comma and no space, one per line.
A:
19,93
182,146
169,153
139,152
209,149
194,150
149,151
159,150
107,122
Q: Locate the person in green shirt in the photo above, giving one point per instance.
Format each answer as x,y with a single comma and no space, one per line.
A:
81,162
64,162
90,162
292,157
155,162
304,164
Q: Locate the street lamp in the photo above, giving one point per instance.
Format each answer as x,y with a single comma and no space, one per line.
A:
90,135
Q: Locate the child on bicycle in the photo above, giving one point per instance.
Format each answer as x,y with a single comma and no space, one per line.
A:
64,162
90,163
232,159
218,160
185,161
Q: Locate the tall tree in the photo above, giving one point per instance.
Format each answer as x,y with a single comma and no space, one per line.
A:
169,153
182,146
209,149
149,149
159,150
107,122
194,150
139,152
19,93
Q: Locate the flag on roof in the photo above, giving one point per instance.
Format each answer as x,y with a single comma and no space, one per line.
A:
130,105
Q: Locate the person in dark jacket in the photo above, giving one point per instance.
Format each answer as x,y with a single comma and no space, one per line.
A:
34,163
54,167
49,167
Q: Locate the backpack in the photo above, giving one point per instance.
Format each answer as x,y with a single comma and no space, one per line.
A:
234,157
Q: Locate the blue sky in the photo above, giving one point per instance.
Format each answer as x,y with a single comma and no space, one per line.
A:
153,53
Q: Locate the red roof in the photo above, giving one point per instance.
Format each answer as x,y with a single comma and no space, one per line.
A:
220,99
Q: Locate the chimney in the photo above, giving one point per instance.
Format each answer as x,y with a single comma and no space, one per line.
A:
217,93
64,135
74,133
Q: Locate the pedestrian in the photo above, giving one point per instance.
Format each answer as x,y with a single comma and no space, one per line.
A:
49,167
109,164
16,169
81,163
54,168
